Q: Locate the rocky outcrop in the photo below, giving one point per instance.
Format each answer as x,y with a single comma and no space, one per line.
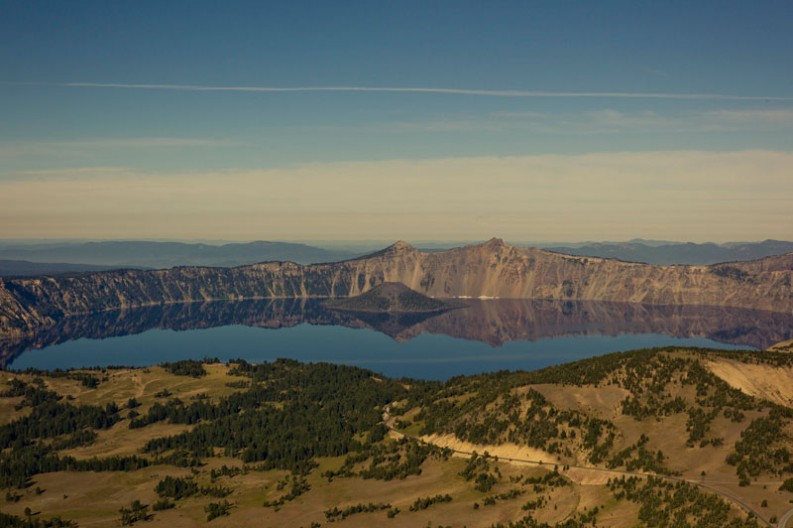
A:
390,297
493,269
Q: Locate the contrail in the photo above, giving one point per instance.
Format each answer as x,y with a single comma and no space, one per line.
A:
393,89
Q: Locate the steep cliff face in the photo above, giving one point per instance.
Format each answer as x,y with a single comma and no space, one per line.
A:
19,315
492,269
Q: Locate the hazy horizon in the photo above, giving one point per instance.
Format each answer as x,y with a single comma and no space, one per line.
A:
372,242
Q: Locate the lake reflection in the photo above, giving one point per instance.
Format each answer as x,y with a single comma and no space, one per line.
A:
484,336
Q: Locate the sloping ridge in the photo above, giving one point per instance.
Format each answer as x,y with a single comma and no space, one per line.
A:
490,270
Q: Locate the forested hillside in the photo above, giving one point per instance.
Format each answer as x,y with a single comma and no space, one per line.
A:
648,436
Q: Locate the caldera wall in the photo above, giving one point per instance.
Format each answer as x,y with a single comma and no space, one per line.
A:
493,269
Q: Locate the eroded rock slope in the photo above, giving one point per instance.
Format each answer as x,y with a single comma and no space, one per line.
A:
493,269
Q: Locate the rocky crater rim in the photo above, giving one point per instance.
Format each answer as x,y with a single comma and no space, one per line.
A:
493,269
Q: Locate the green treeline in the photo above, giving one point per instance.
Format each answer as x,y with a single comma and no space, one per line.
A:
667,505
188,367
422,503
763,447
176,488
13,521
387,460
51,418
17,466
337,514
291,414
301,412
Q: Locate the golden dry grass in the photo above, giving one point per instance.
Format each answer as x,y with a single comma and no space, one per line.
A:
95,498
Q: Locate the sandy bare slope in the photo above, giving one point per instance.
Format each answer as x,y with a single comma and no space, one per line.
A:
761,381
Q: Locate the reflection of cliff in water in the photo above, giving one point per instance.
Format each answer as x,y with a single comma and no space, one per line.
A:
498,322
494,322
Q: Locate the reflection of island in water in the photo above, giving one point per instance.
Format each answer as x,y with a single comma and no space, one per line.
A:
494,321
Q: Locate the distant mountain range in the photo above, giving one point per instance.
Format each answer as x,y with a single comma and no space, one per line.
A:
53,258
22,268
490,270
145,254
678,253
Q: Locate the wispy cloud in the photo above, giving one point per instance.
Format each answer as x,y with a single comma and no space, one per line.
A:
606,121
413,89
132,142
145,142
598,121
74,173
778,116
89,146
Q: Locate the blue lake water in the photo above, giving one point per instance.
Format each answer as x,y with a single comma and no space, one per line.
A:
487,336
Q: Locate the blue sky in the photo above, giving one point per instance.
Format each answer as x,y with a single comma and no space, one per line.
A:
74,114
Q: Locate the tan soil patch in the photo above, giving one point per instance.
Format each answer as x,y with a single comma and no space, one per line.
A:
761,381
505,450
603,401
120,440
782,346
